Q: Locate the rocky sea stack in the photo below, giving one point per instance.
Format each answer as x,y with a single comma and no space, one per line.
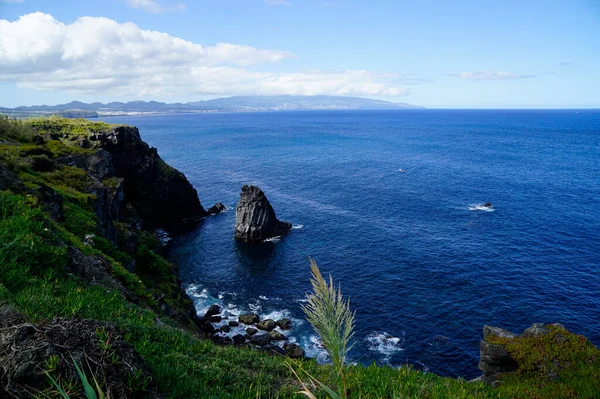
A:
255,219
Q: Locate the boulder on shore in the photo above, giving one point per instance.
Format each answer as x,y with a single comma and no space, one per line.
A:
213,310
277,336
255,219
260,339
250,318
285,323
266,325
251,331
294,351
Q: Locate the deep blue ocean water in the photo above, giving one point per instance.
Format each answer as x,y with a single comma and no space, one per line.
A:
420,262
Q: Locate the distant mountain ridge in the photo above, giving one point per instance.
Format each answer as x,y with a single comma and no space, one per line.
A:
237,103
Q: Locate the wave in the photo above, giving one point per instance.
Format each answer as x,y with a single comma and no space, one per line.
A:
255,307
384,343
232,308
297,227
163,237
273,239
313,347
481,207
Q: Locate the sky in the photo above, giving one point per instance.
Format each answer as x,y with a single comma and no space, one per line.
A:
432,53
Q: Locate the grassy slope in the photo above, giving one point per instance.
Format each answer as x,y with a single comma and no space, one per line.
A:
33,279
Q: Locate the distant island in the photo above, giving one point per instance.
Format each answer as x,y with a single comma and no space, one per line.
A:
227,104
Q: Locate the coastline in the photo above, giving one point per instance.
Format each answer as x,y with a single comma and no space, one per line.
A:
105,267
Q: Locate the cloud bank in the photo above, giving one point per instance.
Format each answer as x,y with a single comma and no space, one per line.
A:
101,56
490,75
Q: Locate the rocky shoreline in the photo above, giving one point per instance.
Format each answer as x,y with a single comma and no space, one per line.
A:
107,196
250,331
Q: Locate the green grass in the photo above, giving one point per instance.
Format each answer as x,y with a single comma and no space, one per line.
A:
33,278
17,130
182,365
66,126
556,365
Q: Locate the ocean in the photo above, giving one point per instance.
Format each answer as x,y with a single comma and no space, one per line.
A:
424,264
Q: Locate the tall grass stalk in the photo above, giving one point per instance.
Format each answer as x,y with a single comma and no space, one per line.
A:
331,318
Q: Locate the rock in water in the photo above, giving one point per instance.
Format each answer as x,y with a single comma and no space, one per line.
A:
260,339
250,318
213,310
284,324
266,325
255,218
216,209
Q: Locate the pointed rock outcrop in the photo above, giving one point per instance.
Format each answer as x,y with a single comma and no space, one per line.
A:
255,218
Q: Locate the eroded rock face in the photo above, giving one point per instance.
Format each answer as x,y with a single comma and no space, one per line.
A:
160,194
255,219
495,360
98,164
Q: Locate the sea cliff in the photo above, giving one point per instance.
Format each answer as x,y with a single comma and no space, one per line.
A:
83,281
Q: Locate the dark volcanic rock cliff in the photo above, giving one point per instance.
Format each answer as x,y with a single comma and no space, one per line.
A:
255,218
160,194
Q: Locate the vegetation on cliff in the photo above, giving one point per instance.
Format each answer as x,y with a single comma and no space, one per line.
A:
81,262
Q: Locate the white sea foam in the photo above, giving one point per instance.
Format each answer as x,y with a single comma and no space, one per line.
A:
201,298
481,207
384,343
275,314
273,239
255,307
297,227
163,237
202,294
313,346
264,298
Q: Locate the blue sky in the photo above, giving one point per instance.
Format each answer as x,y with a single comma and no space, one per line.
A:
449,54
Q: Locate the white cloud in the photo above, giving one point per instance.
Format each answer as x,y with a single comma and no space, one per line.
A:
278,3
156,6
490,75
100,56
